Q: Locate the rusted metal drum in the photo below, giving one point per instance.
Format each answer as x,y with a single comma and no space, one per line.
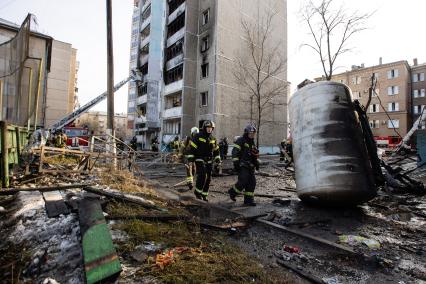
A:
331,162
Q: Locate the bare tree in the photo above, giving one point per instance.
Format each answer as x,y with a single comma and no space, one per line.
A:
259,68
331,29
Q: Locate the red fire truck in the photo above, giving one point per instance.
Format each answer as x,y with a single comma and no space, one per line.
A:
78,137
387,142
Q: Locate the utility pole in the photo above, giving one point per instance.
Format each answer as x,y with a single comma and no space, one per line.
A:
110,81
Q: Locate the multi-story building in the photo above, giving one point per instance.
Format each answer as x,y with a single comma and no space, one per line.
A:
96,121
418,87
56,91
390,109
186,53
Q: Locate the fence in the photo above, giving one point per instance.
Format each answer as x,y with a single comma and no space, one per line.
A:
12,140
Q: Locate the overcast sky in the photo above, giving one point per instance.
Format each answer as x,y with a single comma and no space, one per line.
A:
395,33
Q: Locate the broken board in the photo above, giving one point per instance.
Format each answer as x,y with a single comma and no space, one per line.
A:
55,204
100,258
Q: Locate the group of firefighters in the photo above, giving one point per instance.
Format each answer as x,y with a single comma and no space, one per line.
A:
202,153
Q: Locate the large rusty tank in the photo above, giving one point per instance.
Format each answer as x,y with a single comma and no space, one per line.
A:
331,161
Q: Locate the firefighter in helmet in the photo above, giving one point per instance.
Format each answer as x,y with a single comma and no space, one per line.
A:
188,160
204,151
245,158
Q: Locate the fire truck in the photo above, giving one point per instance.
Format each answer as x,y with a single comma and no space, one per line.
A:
387,142
77,137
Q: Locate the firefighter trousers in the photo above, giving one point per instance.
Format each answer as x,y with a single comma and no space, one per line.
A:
204,173
190,172
247,183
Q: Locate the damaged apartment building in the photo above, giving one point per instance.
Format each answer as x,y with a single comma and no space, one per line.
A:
185,50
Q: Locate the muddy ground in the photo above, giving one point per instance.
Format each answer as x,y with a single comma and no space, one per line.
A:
392,225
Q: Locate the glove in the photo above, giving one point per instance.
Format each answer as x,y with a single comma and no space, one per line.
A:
237,166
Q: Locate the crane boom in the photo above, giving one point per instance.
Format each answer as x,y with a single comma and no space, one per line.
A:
75,114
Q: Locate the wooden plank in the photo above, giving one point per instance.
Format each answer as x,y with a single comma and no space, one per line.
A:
5,191
99,255
55,204
308,236
311,278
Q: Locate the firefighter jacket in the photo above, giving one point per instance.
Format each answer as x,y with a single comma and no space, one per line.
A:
245,153
203,148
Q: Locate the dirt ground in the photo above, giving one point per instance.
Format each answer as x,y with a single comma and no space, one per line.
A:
392,224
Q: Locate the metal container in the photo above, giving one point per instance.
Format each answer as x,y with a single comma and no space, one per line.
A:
331,161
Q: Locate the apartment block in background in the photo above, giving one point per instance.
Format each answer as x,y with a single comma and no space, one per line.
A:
186,53
96,122
393,98
418,87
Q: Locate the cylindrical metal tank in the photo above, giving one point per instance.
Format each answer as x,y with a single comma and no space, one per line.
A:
330,157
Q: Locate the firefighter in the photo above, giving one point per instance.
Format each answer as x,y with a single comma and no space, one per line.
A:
282,150
188,160
223,145
60,139
133,143
174,145
204,150
154,144
245,158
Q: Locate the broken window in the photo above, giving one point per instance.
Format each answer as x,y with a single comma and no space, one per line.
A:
204,70
146,14
174,74
174,4
174,50
176,25
174,100
144,69
206,16
204,98
393,123
146,32
142,89
205,44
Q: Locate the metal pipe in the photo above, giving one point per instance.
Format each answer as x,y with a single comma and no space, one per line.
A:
38,91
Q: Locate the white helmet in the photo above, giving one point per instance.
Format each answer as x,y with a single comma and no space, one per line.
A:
194,130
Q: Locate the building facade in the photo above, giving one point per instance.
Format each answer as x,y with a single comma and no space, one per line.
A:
96,121
186,52
389,111
53,91
418,87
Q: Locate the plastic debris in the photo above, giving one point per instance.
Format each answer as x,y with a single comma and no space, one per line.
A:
291,249
356,240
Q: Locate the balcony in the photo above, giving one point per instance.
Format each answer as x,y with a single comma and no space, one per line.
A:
144,59
145,5
145,41
174,38
141,100
140,119
176,13
175,61
172,112
173,87
145,23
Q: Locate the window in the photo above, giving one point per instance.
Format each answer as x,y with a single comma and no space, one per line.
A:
393,123
356,95
176,25
393,90
415,93
376,92
174,4
356,80
142,89
393,73
374,108
204,98
206,16
418,77
174,74
422,92
418,109
374,123
205,44
393,106
174,50
204,70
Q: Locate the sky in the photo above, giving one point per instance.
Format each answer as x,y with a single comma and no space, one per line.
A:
395,32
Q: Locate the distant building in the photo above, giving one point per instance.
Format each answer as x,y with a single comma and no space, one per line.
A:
96,121
418,87
186,50
389,112
58,78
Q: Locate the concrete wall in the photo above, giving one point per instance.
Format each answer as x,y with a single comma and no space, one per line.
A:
231,102
58,84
